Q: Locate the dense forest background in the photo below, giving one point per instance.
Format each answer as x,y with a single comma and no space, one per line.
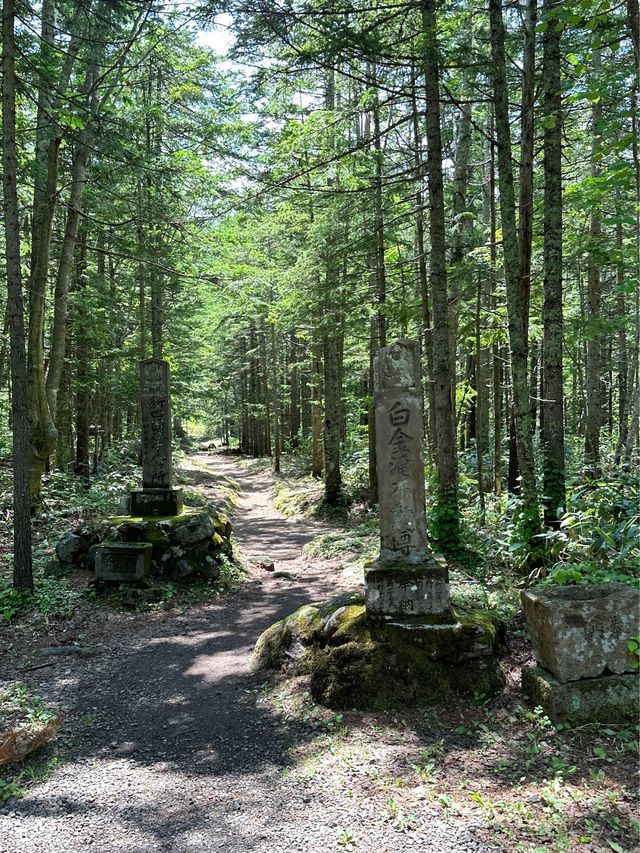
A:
347,174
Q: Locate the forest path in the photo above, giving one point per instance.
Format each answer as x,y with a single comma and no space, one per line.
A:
170,745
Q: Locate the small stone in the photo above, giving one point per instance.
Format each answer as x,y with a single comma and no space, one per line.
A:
71,548
263,562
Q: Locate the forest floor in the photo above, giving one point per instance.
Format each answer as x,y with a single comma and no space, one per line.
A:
172,743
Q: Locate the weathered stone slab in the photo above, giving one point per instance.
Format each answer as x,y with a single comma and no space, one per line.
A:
152,503
407,591
399,426
582,631
123,561
405,581
605,699
155,413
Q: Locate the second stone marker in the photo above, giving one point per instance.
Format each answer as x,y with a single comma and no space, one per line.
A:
157,496
406,582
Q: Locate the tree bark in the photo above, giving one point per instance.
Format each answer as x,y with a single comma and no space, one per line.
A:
421,259
526,157
294,405
446,459
22,558
512,262
593,416
552,404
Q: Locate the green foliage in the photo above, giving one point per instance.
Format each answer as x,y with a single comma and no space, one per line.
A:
599,537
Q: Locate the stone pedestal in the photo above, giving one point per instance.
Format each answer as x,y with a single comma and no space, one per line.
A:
582,631
579,636
408,592
606,699
128,561
152,503
405,581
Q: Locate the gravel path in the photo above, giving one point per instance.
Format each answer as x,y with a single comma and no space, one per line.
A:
169,747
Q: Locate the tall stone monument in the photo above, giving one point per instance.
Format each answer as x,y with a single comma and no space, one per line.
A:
406,582
157,497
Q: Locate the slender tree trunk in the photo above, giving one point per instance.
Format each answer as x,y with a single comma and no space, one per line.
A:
496,359
446,460
377,276
552,355
593,417
275,398
332,344
59,333
82,465
479,404
425,311
294,405
332,417
142,298
317,451
526,157
515,308
22,565
633,18
460,230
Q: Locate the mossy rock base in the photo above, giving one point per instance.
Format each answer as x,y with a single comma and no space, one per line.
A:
355,663
609,699
188,544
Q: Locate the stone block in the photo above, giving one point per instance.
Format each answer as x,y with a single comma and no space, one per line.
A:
408,591
582,631
153,503
198,528
605,699
123,561
71,548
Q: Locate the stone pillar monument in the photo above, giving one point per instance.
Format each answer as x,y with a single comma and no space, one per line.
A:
157,496
406,582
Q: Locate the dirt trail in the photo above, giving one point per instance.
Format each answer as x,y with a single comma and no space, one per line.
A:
167,747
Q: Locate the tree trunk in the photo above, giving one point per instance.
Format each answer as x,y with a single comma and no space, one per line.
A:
332,343
553,393
22,560
515,308
425,310
294,405
377,279
317,452
82,465
59,333
446,460
593,417
332,417
526,157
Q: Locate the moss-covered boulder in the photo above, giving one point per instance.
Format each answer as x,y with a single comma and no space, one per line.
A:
355,663
191,543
